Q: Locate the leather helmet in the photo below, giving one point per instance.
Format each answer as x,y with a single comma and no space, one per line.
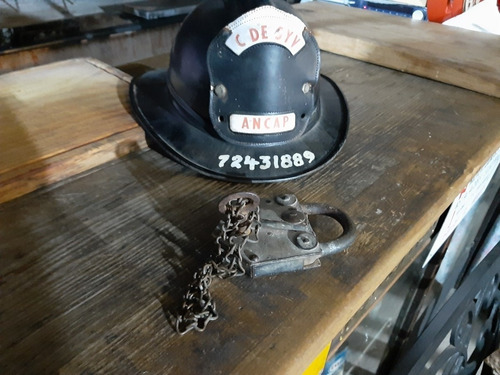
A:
243,99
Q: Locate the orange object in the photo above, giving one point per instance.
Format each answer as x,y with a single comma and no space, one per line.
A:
442,10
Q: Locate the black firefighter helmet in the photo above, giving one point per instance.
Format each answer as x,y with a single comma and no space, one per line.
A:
243,99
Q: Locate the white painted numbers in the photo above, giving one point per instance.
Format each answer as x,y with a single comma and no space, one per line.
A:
266,161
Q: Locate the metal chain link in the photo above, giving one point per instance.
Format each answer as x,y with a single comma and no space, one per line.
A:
242,220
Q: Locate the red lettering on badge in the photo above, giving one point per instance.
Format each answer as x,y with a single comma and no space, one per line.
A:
267,124
266,24
263,31
237,38
254,35
296,40
256,123
278,34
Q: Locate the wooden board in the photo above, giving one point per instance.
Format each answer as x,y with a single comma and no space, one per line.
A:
116,50
59,120
447,54
18,14
92,269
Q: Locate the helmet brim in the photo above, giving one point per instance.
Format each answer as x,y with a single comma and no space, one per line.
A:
172,133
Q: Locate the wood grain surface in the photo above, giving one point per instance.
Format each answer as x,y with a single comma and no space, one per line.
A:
118,49
447,54
93,269
59,120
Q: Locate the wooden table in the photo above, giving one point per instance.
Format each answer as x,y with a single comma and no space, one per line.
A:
94,264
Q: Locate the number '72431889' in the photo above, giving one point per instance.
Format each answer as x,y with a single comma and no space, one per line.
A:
266,161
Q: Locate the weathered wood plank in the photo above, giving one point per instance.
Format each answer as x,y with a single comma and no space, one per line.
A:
59,120
116,50
447,54
92,269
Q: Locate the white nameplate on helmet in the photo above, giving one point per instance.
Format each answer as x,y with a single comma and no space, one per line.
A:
266,24
269,124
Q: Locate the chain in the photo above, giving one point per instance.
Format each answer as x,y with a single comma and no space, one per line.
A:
198,307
